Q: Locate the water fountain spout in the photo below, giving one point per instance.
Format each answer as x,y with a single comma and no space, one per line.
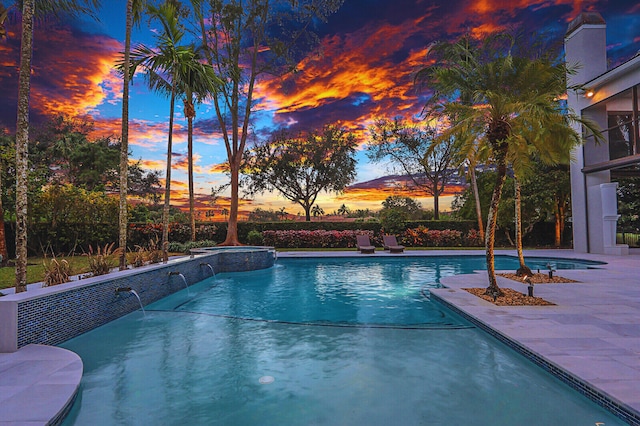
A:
120,290
208,265
184,280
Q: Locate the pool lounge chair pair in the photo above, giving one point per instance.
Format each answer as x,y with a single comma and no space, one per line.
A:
390,243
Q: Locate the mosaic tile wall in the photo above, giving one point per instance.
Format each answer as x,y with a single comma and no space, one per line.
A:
53,318
620,410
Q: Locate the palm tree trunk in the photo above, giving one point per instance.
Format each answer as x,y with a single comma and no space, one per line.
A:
124,143
167,185
192,214
22,144
523,269
3,236
492,222
476,196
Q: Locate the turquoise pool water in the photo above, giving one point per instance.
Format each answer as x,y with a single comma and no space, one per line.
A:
316,341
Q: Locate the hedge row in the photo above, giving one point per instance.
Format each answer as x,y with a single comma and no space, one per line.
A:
69,238
415,237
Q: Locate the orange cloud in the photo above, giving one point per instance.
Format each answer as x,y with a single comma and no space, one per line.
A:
490,7
74,80
348,64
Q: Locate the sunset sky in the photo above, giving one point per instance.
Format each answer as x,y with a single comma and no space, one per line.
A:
369,53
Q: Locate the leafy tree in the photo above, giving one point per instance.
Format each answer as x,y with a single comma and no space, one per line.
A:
299,168
412,151
547,191
243,39
410,207
629,204
512,104
262,215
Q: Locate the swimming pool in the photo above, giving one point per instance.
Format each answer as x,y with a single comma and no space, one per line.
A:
316,341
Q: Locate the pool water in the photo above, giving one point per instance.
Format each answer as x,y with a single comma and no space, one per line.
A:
316,342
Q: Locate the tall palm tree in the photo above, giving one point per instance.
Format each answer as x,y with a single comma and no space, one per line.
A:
161,65
133,14
30,8
197,81
172,69
514,109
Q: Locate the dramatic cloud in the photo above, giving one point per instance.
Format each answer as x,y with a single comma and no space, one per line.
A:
72,73
363,70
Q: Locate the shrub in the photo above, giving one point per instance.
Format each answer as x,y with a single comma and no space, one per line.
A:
105,259
56,272
472,239
392,220
138,257
312,239
186,247
154,254
424,237
255,238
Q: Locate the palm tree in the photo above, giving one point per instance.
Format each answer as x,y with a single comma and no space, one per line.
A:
197,81
162,66
317,211
513,108
523,269
133,14
282,213
29,10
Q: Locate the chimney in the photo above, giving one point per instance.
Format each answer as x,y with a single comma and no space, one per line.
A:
585,47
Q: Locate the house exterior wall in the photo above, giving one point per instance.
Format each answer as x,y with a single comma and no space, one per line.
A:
585,52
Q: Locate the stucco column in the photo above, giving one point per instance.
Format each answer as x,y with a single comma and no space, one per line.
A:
610,218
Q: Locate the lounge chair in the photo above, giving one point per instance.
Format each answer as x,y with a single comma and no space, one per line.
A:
364,245
391,244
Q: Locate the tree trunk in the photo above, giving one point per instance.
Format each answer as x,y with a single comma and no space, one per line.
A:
124,143
492,222
232,225
190,113
22,144
476,196
436,203
559,223
3,236
167,185
523,269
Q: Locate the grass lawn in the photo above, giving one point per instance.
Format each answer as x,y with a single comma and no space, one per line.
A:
35,270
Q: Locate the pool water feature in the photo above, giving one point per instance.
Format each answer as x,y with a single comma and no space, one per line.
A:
205,358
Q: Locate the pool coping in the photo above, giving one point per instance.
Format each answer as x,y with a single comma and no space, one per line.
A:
39,385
